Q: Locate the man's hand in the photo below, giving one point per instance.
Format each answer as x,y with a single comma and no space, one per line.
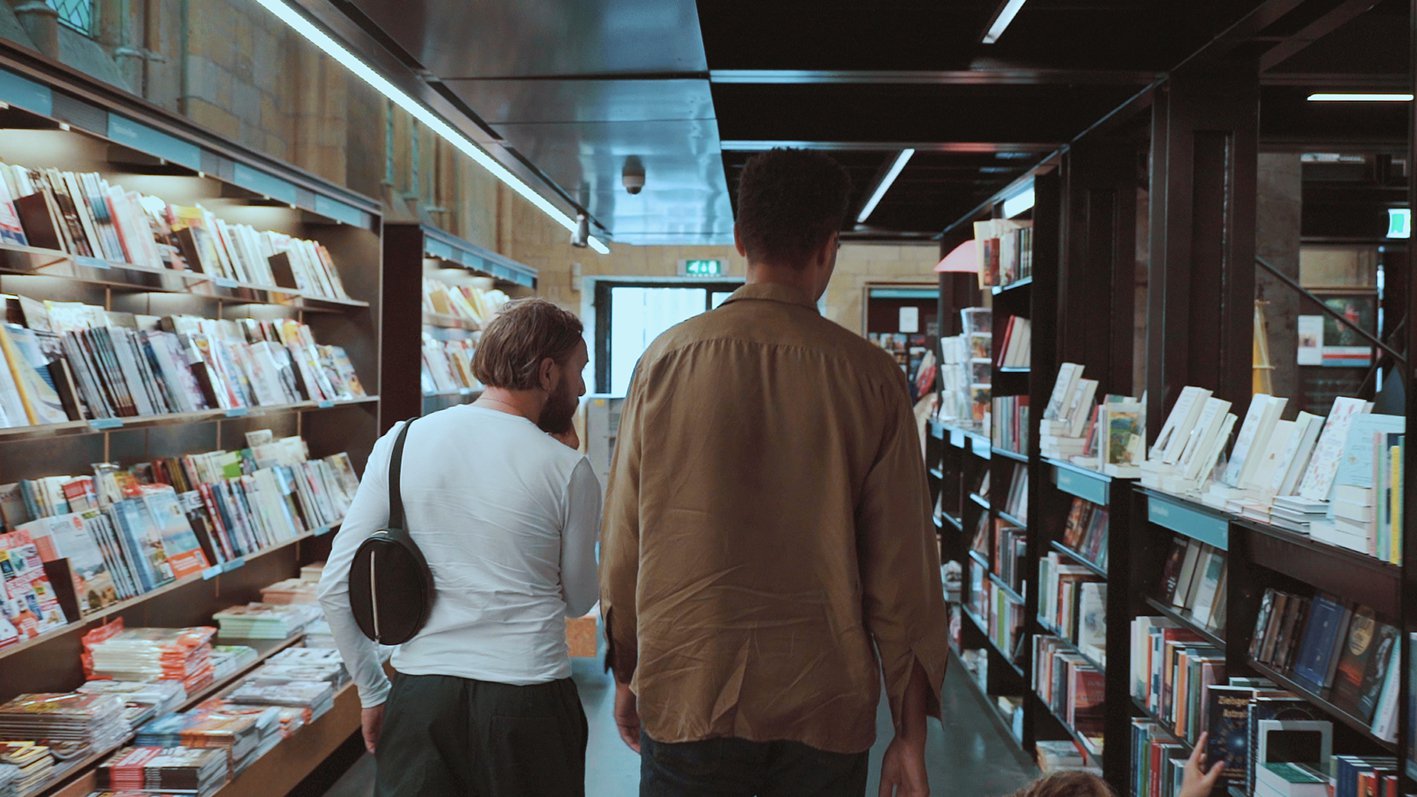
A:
1197,781
371,720
570,438
903,769
627,716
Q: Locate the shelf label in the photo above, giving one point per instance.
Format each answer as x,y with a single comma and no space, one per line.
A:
323,530
92,262
1082,485
211,572
956,438
238,412
104,424
1193,523
238,562
264,183
339,211
325,404
225,282
154,142
25,93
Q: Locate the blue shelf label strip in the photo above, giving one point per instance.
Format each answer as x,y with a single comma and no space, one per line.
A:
339,211
1193,523
234,564
238,412
956,439
325,404
103,424
92,262
264,184
211,573
1086,487
25,93
154,142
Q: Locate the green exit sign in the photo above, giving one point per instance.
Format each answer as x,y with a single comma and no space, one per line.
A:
702,268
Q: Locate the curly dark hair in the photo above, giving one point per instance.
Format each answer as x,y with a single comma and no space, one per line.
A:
790,201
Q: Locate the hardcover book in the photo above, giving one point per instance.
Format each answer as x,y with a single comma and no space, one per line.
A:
1327,622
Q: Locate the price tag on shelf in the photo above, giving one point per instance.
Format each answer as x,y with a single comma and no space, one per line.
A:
325,404
224,282
323,530
104,424
211,572
238,412
239,561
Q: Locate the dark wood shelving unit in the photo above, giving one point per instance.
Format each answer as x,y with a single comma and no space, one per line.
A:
1354,723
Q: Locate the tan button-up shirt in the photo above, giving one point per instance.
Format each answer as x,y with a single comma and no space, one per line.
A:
767,531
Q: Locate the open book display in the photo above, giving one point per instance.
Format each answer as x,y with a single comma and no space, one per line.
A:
1338,478
1107,436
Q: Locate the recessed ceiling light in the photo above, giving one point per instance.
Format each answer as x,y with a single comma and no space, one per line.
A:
885,185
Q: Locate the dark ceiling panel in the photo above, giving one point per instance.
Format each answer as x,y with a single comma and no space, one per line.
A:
1286,115
912,113
526,38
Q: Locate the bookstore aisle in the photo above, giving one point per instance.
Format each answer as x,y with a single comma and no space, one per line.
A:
969,754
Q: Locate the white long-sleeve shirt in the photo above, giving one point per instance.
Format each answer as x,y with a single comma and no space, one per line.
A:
507,518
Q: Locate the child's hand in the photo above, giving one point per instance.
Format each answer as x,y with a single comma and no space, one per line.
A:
1197,781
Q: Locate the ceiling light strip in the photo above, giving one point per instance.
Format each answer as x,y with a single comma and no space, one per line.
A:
1002,22
885,185
327,44
1360,97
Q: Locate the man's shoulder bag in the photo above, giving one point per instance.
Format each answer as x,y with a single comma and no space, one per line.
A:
390,584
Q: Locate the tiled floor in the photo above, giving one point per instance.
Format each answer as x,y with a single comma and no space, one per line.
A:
968,756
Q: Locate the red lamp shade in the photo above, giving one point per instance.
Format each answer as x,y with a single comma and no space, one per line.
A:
963,260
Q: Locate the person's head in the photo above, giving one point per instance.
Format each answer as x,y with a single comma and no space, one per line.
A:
534,348
1068,783
791,205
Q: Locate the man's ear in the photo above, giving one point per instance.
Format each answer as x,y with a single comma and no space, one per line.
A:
546,374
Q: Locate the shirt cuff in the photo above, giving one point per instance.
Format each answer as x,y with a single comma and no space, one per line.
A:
377,696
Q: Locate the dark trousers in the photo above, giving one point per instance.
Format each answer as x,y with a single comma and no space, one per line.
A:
740,768
454,736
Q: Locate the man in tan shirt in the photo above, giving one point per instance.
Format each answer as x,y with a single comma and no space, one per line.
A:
767,552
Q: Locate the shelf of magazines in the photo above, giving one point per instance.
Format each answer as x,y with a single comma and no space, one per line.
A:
84,767
208,574
101,425
33,261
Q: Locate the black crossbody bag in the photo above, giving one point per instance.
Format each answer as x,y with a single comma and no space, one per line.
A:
390,584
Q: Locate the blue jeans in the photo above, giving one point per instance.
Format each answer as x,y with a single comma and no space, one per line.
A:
740,768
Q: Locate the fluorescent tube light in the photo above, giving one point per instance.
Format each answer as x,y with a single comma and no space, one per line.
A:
327,44
885,185
1399,222
1359,97
1002,22
1018,203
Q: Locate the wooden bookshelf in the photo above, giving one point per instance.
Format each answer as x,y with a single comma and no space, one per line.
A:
51,116
431,253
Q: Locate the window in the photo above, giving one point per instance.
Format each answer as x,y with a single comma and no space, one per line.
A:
77,14
629,316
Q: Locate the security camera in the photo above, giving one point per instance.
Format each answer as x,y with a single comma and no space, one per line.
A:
580,237
633,176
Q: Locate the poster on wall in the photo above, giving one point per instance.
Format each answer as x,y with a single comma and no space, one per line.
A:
1324,341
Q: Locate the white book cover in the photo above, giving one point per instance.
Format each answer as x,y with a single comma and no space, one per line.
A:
1081,410
1323,466
1068,375
1171,440
1306,433
1271,461
1208,423
1254,434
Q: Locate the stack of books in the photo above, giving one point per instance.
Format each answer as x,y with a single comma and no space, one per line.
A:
82,214
1061,755
183,655
237,735
291,590
1072,601
1194,582
158,769
472,303
26,764
227,660
978,325
265,620
1191,441
142,700
315,698
1085,531
275,722
447,365
1010,423
1072,687
1016,350
305,664
1339,652
1066,419
76,362
68,723
1005,249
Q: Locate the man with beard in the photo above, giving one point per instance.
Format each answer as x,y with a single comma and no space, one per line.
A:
507,518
